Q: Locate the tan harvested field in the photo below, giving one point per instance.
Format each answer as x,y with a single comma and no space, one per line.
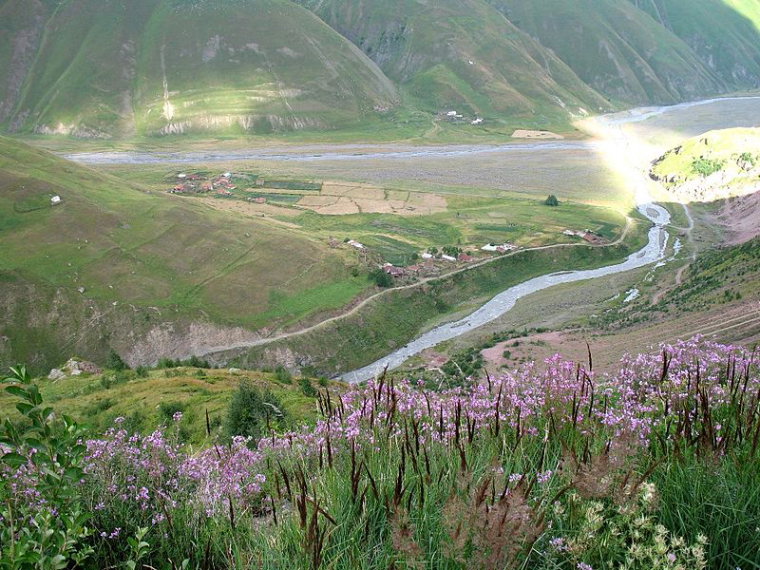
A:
341,198
529,134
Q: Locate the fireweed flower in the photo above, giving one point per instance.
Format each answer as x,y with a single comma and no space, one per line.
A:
154,475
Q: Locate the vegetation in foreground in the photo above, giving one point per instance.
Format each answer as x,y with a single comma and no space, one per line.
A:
653,467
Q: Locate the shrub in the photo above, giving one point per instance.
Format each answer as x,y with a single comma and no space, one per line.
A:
381,278
169,410
705,166
307,388
44,521
115,362
283,375
551,200
252,411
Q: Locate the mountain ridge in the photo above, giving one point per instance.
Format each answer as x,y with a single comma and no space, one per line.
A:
165,67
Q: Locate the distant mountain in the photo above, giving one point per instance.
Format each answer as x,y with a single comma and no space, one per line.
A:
102,67
105,68
461,54
648,51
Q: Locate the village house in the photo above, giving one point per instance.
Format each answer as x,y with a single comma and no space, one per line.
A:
592,238
465,258
393,271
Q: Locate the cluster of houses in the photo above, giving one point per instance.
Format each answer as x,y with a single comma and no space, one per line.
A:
427,267
198,184
586,235
430,262
456,116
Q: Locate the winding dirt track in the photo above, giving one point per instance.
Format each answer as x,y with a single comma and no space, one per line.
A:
372,298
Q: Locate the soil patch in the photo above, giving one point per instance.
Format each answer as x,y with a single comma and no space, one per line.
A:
528,134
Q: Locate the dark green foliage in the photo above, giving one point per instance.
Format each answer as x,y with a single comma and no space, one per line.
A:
193,362
53,535
283,375
115,362
167,410
463,364
142,371
451,250
551,200
253,411
306,387
133,423
747,161
705,166
381,278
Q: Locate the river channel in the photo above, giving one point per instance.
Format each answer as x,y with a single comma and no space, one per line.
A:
654,251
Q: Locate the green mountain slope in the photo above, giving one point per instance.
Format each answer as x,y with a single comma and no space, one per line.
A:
624,52
461,55
112,265
22,23
724,34
111,68
171,66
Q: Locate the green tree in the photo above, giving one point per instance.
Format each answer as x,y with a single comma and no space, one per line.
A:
381,278
115,362
551,200
251,411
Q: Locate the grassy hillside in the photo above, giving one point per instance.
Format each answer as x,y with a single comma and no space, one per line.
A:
723,33
151,274
622,51
115,259
108,68
714,165
462,56
150,399
170,66
22,23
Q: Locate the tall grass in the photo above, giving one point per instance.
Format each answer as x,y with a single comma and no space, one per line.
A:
655,466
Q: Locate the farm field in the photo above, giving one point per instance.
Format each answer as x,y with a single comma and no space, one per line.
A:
401,219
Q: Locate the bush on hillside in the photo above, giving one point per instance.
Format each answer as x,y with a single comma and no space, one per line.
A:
705,166
381,278
252,412
115,362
